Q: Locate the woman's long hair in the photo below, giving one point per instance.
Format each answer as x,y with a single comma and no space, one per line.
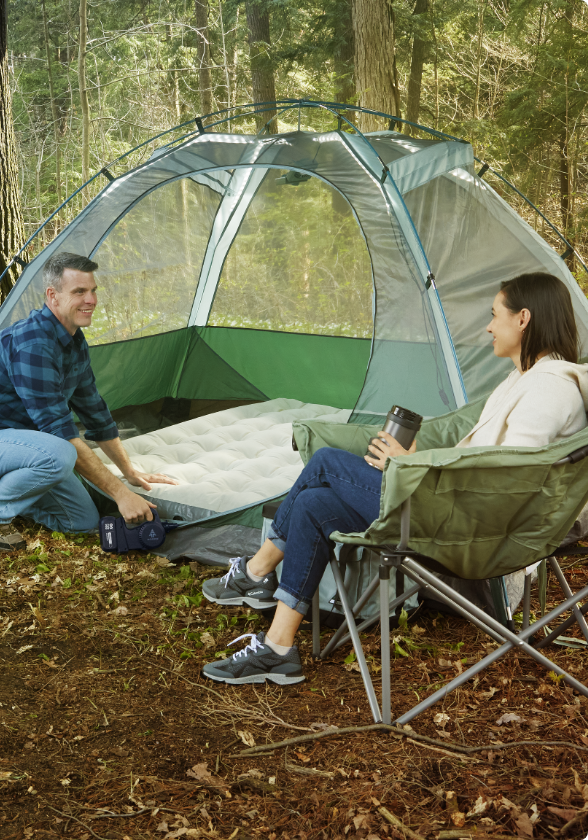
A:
552,327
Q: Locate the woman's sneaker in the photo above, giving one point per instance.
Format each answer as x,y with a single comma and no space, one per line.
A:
237,589
256,663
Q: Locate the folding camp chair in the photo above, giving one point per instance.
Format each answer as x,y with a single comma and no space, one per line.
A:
538,493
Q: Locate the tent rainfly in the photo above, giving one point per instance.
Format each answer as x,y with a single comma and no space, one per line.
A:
330,267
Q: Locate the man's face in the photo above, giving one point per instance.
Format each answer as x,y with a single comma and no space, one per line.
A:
74,305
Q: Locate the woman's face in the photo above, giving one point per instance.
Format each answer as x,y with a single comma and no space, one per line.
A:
507,329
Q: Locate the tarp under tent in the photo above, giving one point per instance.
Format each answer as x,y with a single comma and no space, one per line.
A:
308,273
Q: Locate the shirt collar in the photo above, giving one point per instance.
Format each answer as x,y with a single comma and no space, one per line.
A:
63,336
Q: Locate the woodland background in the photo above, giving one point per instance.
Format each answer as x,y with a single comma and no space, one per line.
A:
89,80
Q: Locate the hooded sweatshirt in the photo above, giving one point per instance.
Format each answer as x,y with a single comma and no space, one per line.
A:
545,404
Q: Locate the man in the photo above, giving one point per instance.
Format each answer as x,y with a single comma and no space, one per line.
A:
45,373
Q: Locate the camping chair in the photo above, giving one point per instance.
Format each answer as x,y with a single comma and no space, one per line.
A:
473,513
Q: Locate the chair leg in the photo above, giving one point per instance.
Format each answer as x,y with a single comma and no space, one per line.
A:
479,617
527,602
384,573
518,641
363,668
567,591
316,625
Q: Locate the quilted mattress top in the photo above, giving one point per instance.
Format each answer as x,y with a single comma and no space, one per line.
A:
228,460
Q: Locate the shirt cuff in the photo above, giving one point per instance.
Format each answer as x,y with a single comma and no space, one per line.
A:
107,433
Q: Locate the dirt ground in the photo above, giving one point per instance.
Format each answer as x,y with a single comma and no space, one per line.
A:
107,729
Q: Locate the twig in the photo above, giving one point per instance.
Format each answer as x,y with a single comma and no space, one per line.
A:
408,832
443,751
578,818
401,733
305,771
70,817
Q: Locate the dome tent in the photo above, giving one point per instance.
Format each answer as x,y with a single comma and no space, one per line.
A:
330,267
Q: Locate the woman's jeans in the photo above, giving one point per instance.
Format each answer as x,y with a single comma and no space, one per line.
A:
336,491
37,481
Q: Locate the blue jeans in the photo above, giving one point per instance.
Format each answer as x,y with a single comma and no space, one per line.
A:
336,491
37,481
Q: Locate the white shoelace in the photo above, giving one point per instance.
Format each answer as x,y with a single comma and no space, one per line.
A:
234,561
254,645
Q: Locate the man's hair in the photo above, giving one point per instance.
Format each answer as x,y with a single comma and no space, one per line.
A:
56,265
552,327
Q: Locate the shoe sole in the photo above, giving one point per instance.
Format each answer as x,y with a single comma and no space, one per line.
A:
242,602
280,679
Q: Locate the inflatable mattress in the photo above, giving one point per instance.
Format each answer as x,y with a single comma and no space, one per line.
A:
225,462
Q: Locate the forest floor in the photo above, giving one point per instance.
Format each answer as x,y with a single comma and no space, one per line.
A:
107,729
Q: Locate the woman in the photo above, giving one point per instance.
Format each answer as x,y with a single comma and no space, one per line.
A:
543,400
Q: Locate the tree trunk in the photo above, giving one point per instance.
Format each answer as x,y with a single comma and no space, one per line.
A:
376,77
203,56
11,224
262,71
344,53
84,91
419,54
54,108
481,11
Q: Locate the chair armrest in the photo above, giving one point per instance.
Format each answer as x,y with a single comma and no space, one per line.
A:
481,511
311,435
446,431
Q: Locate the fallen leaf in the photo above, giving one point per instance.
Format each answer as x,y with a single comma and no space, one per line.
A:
442,733
24,648
120,611
250,774
359,821
207,639
458,819
199,772
302,756
5,775
65,782
351,666
119,751
487,695
162,827
510,717
441,719
480,806
566,814
535,815
246,737
524,825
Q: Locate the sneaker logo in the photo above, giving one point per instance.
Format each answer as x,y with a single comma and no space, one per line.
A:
260,592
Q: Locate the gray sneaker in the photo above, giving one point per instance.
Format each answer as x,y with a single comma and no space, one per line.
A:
256,663
237,589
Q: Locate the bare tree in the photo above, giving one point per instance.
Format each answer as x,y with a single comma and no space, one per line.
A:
419,53
11,224
54,108
376,77
262,71
203,56
85,106
344,53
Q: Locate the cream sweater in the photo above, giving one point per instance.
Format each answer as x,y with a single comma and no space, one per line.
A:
542,405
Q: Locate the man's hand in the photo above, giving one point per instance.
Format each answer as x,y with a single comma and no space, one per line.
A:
145,480
134,509
385,446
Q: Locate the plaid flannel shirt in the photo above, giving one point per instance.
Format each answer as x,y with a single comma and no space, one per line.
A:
45,373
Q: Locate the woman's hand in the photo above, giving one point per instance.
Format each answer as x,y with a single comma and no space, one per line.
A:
385,446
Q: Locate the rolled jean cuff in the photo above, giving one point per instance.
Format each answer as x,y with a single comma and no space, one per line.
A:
291,601
277,540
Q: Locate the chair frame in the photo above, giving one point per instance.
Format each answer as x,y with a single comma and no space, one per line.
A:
420,569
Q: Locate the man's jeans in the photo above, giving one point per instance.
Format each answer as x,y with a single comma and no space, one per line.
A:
37,481
336,491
